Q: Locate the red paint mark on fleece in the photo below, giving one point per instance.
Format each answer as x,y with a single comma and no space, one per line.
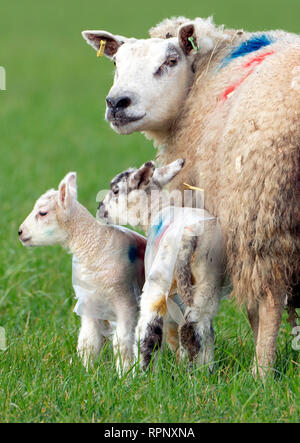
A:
158,239
256,61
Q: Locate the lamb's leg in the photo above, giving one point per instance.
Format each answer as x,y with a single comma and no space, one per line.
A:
149,331
197,334
123,341
270,313
202,299
90,339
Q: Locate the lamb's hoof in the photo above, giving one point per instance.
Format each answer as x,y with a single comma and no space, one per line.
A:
190,340
152,341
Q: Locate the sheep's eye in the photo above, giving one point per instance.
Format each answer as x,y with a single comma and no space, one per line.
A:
160,70
43,214
170,62
116,190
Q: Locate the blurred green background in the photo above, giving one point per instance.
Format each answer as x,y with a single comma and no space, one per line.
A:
51,122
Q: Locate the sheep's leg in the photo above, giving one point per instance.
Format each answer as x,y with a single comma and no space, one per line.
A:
253,316
123,341
270,313
90,339
149,331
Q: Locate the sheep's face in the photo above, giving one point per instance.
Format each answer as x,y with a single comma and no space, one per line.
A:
152,79
135,192
150,84
46,224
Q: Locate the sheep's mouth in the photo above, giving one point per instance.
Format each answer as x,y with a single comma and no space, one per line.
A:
123,120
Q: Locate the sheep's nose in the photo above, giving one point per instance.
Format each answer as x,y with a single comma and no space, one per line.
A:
119,103
20,232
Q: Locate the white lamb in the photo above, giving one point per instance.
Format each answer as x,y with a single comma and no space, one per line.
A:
108,268
184,244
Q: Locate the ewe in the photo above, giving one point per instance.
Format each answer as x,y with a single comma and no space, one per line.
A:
183,243
228,102
108,268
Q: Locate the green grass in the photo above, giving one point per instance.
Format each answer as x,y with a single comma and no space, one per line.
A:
51,122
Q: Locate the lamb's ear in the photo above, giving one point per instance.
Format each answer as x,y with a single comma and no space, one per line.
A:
186,33
112,42
142,176
166,173
67,191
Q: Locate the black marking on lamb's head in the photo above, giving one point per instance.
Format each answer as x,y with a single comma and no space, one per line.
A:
120,177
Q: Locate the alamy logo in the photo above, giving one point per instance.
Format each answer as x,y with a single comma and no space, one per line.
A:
2,339
2,79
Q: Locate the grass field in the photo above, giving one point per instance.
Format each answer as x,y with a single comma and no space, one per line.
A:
52,121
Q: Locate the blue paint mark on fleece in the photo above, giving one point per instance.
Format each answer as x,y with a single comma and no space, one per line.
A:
155,231
132,253
158,227
253,44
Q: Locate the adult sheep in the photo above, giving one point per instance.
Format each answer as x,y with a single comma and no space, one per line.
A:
227,102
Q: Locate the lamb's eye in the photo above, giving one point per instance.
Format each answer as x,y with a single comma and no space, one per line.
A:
116,190
43,214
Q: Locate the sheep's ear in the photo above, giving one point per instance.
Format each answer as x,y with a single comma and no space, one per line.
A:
112,42
187,32
166,173
67,191
200,36
141,178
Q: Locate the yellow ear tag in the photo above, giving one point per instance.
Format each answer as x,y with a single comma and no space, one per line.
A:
101,48
193,187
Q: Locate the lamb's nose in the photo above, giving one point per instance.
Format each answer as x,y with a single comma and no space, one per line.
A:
118,103
20,232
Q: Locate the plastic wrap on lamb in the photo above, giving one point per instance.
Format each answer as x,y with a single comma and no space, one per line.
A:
163,245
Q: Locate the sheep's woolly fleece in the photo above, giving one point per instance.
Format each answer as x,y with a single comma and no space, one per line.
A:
206,30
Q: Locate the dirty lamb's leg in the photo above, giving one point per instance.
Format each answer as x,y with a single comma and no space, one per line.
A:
149,331
153,305
190,341
90,339
197,333
123,340
270,313
202,299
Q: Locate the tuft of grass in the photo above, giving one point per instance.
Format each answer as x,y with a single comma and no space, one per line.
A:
51,122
